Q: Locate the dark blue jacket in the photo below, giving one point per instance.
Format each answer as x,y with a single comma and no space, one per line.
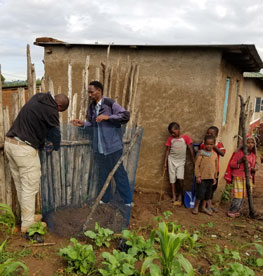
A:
110,130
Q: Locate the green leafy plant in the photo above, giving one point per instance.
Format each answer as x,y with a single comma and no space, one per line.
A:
36,228
80,258
7,217
253,259
226,194
118,263
232,269
102,236
172,262
167,214
228,262
10,266
139,247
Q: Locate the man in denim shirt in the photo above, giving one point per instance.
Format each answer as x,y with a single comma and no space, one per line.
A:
106,117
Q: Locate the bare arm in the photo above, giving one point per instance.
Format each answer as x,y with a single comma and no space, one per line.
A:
166,158
197,168
219,151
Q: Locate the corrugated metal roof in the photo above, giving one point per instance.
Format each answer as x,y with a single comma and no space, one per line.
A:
244,56
253,75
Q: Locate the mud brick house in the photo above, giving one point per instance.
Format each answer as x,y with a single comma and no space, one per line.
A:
253,87
194,85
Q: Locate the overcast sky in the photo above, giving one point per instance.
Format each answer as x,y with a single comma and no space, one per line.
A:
123,21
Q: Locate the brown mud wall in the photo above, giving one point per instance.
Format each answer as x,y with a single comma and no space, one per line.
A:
186,85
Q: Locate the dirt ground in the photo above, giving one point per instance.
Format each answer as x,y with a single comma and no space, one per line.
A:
224,231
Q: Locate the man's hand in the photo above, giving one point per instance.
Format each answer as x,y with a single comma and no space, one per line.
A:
198,180
77,122
164,166
214,183
49,147
101,118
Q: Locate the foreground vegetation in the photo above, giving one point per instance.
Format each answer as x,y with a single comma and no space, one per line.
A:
165,248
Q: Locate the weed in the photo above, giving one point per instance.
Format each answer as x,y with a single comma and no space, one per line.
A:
36,228
118,263
7,217
80,258
138,246
11,266
226,194
102,236
228,262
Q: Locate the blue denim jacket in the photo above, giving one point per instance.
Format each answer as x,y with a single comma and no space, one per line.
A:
110,130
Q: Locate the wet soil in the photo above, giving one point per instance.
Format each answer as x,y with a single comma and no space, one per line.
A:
68,222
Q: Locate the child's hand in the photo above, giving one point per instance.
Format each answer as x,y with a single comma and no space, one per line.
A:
198,180
165,167
214,183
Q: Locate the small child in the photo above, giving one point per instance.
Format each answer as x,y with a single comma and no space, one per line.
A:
220,151
206,173
239,179
175,157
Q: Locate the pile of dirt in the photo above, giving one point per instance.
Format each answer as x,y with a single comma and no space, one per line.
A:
68,221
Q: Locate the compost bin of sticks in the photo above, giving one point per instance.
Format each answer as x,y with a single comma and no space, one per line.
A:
69,183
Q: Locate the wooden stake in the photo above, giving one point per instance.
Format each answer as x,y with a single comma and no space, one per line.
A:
69,91
43,87
106,79
117,86
33,74
2,135
50,86
29,72
243,127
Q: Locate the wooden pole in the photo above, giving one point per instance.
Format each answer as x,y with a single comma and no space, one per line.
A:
117,86
125,86
43,87
2,137
106,76
50,86
34,87
69,91
29,72
21,97
243,126
84,101
104,188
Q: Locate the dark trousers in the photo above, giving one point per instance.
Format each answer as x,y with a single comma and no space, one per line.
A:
105,164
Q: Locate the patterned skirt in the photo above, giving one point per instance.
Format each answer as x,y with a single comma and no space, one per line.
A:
239,187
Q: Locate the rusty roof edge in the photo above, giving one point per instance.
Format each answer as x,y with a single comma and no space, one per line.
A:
250,48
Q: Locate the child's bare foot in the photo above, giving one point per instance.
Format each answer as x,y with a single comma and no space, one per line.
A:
195,211
206,211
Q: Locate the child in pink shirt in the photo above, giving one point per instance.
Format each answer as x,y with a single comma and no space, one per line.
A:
239,179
